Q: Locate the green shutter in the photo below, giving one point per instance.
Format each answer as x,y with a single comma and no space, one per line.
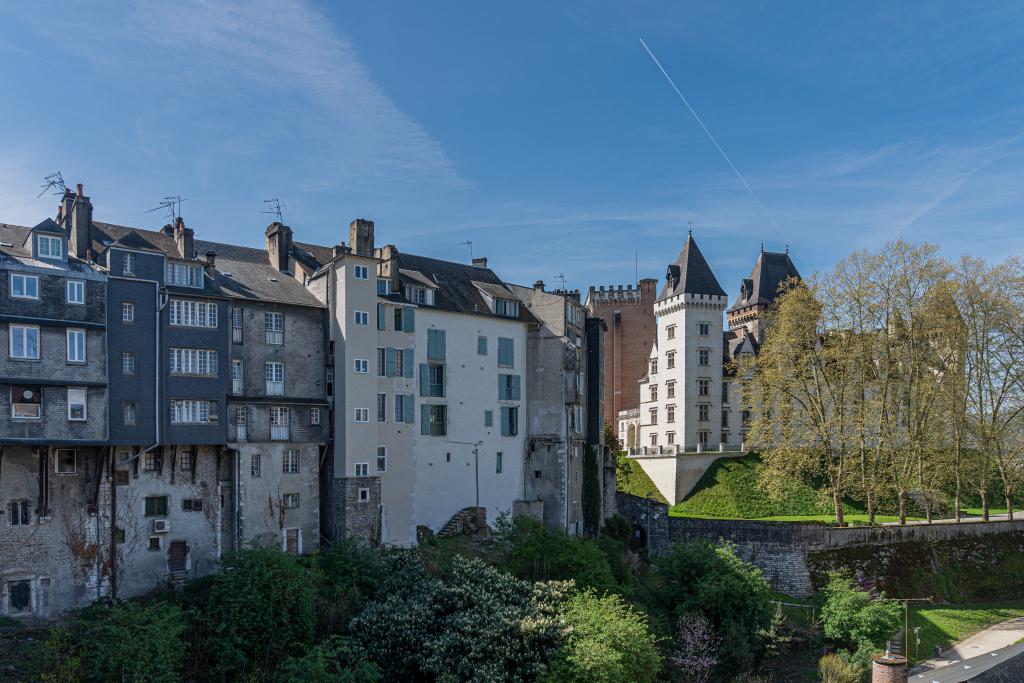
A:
424,379
501,387
441,344
381,317
515,387
481,346
488,418
425,419
389,362
408,406
407,363
408,318
504,421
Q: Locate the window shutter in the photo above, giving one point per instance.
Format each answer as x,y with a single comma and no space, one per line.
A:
381,317
515,387
441,344
389,362
425,419
488,418
504,421
407,363
501,387
424,379
481,346
408,319
408,408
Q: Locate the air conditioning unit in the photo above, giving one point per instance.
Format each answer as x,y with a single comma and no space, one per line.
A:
161,526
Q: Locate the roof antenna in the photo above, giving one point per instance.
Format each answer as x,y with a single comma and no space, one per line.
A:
468,243
172,206
561,276
691,227
54,181
787,249
762,247
275,208
636,268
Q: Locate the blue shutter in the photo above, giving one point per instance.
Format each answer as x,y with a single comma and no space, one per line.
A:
425,419
488,418
408,406
441,344
407,363
408,318
381,317
389,362
481,346
501,387
515,387
504,421
424,380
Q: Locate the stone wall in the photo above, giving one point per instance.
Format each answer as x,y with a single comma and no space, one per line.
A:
795,557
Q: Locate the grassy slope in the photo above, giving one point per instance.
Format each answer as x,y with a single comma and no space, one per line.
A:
946,624
630,478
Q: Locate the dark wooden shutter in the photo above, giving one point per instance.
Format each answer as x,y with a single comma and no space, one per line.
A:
177,555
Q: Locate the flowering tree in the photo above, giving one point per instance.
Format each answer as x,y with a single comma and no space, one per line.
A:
695,649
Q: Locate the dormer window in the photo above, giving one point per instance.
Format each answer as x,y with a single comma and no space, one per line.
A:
49,247
183,274
507,308
419,295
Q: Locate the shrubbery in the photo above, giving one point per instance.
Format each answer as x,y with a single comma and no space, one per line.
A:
856,619
531,552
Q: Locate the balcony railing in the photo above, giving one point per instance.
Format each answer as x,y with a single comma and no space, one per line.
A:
697,449
275,388
279,432
236,387
275,337
241,433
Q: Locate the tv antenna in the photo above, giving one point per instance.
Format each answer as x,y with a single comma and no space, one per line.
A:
468,243
172,206
275,208
561,276
55,182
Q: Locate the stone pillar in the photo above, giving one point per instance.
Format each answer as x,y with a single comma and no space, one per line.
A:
889,668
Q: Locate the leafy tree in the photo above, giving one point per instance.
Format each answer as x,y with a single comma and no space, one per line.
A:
855,618
607,642
260,612
131,642
710,580
59,659
694,649
611,438
591,491
476,625
532,552
335,660
834,669
346,576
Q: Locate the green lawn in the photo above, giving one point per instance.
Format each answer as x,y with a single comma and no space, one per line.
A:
991,510
631,478
947,624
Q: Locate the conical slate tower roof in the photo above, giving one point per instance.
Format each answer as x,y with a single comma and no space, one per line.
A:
690,274
770,271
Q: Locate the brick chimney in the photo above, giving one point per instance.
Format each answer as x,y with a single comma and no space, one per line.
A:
538,286
211,262
76,215
185,239
480,262
360,237
888,668
279,245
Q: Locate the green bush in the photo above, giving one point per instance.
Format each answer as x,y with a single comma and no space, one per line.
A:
345,576
607,642
591,491
618,528
260,612
834,669
130,642
334,661
531,552
59,659
854,617
710,580
476,625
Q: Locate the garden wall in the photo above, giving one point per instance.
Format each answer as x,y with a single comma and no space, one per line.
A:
950,562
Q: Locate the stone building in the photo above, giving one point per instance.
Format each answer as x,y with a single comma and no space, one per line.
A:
53,419
628,313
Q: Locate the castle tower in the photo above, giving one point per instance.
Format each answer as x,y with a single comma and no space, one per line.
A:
758,292
681,396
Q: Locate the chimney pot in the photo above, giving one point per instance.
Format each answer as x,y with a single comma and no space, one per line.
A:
480,262
538,285
81,190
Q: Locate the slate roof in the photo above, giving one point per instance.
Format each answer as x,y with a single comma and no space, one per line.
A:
770,271
15,235
690,274
105,235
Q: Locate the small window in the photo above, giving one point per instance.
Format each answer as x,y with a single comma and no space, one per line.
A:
382,458
488,418
362,469
703,412
236,325
67,461
362,415
362,318
703,387
670,332
192,505
290,462
17,513
24,286
128,264
704,328
156,506
128,412
498,462
704,357
290,501
24,342
76,346
76,292
76,404
361,366
383,286
154,543
481,346
670,359
314,416
186,461
120,477
362,273
128,363
254,465
26,402
382,407
274,326
364,495
127,312
152,462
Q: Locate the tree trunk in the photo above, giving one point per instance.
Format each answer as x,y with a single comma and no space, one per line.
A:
984,505
871,508
956,502
902,497
1009,506
837,503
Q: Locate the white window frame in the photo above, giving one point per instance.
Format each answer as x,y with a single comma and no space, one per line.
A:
362,318
361,366
189,313
74,332
290,501
273,372
273,324
84,393
382,458
361,469
386,286
361,272
128,410
127,363
364,496
25,279
290,461
194,362
193,411
22,331
48,240
182,274
128,263
127,312
314,416
78,287
361,415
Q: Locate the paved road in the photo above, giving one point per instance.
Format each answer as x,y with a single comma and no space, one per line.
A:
989,640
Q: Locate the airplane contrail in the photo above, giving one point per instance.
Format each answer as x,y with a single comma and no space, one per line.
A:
714,141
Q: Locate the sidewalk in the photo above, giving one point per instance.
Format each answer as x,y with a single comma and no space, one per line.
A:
983,642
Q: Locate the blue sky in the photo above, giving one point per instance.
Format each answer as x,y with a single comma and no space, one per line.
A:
540,131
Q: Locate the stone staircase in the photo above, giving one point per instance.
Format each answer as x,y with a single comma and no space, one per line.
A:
471,521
